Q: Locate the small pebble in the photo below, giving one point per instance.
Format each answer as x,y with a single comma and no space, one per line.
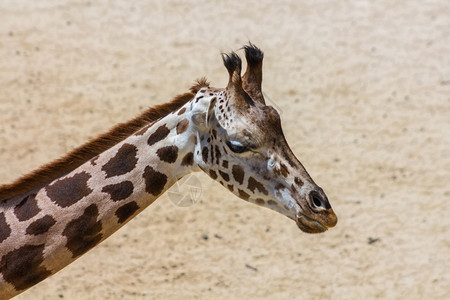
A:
370,240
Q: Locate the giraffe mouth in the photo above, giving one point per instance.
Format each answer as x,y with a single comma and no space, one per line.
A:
309,225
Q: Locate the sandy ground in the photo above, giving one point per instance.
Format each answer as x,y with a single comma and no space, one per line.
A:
363,89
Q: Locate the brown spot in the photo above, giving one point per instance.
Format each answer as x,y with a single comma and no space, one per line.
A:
218,154
298,181
293,189
225,150
287,156
94,160
182,111
84,232
168,154
273,203
188,159
182,126
214,133
279,186
212,153
281,170
230,187
225,164
260,201
205,154
27,208
41,225
213,174
154,181
161,133
124,212
254,184
238,173
5,230
68,191
119,191
198,98
284,170
243,194
224,175
22,267
123,162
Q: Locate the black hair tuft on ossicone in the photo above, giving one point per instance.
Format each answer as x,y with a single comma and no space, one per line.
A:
231,61
253,54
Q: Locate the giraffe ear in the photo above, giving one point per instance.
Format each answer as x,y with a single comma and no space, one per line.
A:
252,79
203,119
211,112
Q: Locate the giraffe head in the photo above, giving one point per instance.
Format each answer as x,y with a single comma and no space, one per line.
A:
243,147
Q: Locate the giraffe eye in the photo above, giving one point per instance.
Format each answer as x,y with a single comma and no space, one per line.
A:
236,146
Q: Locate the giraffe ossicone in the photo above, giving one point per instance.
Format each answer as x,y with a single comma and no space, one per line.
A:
52,216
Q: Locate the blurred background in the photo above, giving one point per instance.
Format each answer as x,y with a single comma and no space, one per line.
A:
363,89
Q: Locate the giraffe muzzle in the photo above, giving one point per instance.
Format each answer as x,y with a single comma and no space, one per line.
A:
318,216
309,225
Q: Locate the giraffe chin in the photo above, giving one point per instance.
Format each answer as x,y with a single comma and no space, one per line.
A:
309,225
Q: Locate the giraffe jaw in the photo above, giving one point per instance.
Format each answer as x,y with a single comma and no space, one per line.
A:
309,225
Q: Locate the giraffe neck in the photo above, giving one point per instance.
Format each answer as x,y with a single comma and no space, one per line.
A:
44,230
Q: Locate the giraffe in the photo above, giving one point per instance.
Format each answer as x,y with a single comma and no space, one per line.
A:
52,216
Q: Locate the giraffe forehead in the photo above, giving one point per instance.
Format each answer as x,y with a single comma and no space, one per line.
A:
251,120
256,122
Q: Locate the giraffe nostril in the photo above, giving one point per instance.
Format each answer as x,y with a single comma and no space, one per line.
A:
318,200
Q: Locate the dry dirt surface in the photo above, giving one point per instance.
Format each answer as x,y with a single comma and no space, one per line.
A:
363,89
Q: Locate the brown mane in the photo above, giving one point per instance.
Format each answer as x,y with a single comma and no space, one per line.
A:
83,153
